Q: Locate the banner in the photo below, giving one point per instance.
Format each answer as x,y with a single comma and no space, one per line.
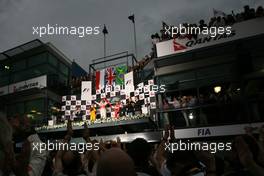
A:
129,82
38,82
86,90
240,30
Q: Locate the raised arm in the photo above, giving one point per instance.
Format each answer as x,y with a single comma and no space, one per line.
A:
97,103
108,102
58,167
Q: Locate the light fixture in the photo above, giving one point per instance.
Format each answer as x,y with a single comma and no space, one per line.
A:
33,111
7,67
217,89
30,116
191,116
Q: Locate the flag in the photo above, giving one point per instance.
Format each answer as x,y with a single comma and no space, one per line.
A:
129,82
110,76
99,79
86,90
120,71
105,31
218,13
132,18
164,25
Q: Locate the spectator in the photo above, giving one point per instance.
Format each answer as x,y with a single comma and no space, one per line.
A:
130,107
246,13
165,114
192,101
176,104
6,152
260,12
115,162
219,22
212,21
140,151
230,20
252,13
202,24
185,163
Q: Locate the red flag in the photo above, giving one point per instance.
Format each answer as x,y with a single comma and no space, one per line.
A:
97,80
100,79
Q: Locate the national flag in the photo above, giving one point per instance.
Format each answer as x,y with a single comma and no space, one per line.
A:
120,71
105,31
132,18
110,77
100,79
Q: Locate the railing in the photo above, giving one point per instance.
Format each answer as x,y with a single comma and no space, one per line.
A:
212,114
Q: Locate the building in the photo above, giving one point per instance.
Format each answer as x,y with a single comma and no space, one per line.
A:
33,76
216,82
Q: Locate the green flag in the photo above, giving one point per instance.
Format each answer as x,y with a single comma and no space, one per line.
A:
120,71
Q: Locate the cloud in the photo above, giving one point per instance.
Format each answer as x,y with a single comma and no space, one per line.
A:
17,18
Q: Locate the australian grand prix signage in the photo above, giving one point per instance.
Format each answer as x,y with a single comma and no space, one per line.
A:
239,30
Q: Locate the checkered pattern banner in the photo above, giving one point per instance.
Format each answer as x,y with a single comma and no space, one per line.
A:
74,107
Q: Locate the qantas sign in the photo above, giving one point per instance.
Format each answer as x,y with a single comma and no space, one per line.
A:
240,30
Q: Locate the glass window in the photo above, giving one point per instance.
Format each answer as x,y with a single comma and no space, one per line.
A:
37,59
4,80
53,60
20,108
64,69
35,106
23,75
19,65
43,69
14,109
3,72
63,79
215,71
35,110
33,72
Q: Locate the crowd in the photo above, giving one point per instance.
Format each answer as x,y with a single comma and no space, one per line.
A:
186,101
220,19
195,109
114,158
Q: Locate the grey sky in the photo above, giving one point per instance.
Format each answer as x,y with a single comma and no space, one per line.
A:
18,16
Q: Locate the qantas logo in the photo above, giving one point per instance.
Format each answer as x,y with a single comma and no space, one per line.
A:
206,39
178,46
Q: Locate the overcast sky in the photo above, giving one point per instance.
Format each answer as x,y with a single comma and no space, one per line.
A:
18,16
